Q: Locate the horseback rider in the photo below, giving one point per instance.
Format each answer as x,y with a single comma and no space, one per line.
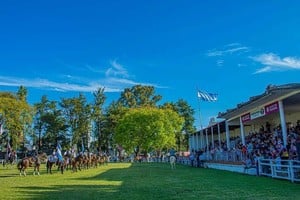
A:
172,152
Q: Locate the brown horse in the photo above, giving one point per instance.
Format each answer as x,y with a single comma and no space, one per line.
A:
29,162
77,163
50,162
33,161
61,165
53,161
103,159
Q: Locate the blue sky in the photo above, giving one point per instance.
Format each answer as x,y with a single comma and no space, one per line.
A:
232,48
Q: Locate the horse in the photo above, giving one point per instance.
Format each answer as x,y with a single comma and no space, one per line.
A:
50,162
10,159
29,162
77,163
61,165
173,162
68,162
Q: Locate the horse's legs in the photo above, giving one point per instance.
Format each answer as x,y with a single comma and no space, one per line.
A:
49,167
38,170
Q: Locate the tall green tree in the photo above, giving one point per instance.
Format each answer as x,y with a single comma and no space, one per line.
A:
148,128
16,115
187,113
98,118
78,114
55,127
40,110
139,96
112,116
22,93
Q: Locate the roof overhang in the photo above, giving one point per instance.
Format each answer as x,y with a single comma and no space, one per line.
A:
288,94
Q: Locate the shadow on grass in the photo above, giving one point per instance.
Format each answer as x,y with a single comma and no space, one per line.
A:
68,192
9,172
115,183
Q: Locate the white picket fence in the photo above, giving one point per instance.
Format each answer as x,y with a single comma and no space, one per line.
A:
285,169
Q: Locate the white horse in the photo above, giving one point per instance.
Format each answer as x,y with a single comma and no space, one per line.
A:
173,162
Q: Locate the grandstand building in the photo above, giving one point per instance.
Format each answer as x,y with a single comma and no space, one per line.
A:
265,129
277,106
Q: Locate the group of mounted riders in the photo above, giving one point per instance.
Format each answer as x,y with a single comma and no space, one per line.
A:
69,161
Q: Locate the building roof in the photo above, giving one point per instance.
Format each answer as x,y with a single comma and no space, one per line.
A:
272,93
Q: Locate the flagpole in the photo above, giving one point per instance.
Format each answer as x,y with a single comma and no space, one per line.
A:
210,97
200,119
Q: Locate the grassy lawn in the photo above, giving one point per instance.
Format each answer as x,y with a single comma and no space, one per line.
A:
143,181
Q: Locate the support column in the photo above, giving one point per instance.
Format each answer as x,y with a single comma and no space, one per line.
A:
212,136
227,135
191,142
202,140
207,144
283,123
197,142
219,135
242,131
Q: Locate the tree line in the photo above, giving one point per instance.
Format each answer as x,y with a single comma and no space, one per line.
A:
135,122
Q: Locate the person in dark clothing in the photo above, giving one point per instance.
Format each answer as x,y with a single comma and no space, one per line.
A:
198,158
298,147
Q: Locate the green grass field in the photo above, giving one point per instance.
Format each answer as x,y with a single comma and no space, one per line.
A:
143,181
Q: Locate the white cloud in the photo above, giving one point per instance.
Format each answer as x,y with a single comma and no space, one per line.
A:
51,85
241,65
116,69
272,62
114,79
220,63
93,69
228,49
131,82
233,44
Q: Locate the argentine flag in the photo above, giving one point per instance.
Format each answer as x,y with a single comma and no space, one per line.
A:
58,152
205,96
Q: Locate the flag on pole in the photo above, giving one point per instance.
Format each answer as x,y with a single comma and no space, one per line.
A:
58,151
205,96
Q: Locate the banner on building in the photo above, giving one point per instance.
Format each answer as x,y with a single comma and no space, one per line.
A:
271,108
245,117
257,113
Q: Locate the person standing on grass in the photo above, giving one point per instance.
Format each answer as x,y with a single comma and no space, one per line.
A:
192,158
298,147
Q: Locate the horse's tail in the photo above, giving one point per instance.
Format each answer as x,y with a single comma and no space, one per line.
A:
19,165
